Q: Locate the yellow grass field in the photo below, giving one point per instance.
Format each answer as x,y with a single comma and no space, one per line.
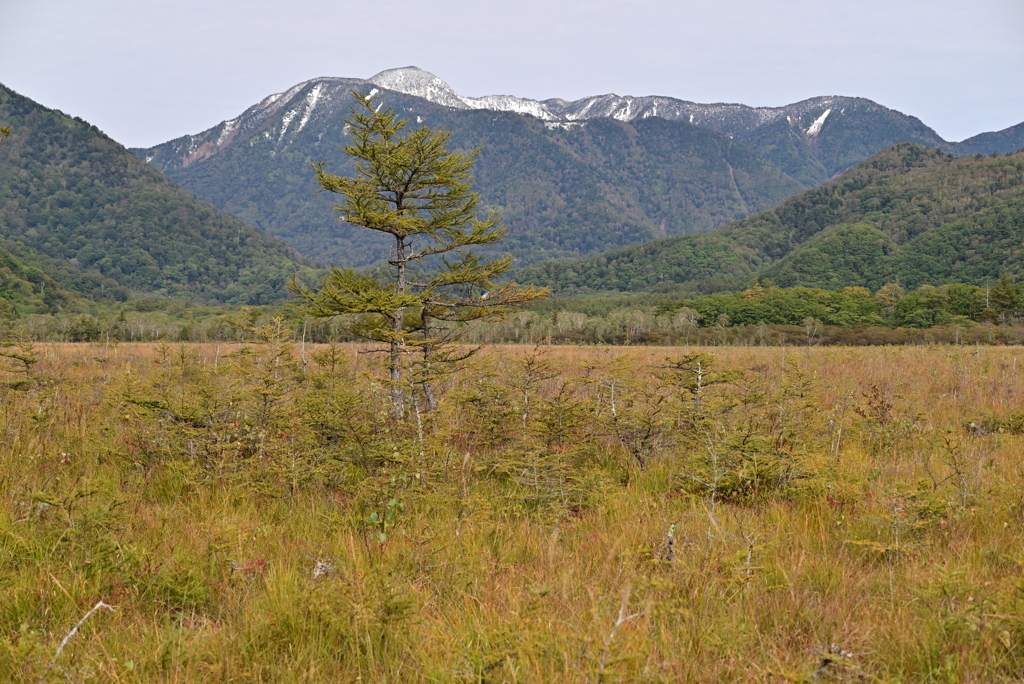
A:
252,513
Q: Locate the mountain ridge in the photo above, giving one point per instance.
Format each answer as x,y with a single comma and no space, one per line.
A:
734,119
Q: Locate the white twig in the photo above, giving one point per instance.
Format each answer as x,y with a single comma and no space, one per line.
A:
67,637
623,618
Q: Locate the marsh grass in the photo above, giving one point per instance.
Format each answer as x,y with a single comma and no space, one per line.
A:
252,520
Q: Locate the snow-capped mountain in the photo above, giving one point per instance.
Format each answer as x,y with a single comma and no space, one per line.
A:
419,83
729,118
653,165
732,118
809,119
809,116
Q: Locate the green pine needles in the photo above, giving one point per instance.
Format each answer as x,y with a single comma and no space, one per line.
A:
410,186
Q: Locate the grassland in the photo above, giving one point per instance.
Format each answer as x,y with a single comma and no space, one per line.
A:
249,513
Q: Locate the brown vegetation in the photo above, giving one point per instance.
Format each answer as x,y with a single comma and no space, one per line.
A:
252,513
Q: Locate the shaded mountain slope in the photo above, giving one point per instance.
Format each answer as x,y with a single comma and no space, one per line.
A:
910,213
997,142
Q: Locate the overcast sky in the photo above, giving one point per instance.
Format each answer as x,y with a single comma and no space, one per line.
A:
146,71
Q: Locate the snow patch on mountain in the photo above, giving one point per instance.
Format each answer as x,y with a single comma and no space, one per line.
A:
624,111
564,125
510,103
286,121
305,97
311,100
226,131
818,123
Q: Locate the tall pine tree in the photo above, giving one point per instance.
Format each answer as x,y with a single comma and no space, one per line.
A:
410,186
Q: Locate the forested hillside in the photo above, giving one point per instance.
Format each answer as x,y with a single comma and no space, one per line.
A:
71,196
909,214
27,289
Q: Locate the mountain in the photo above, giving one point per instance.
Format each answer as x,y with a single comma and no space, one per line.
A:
571,178
997,142
86,211
811,140
563,188
910,214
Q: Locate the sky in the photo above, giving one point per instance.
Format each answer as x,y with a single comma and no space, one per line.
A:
147,71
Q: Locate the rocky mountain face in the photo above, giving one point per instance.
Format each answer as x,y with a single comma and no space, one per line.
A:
571,178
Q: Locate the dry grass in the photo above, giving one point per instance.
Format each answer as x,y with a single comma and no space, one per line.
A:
890,550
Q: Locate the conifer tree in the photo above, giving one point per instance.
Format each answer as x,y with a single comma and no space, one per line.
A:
1003,296
411,187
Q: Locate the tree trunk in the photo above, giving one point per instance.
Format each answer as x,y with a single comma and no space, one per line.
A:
428,392
428,389
395,352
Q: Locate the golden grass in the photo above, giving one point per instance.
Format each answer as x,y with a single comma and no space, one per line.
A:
895,555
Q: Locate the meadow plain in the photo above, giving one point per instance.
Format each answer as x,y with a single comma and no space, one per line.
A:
251,513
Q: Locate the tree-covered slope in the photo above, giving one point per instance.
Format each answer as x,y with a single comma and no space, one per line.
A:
909,213
70,193
845,255
563,188
26,289
576,190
